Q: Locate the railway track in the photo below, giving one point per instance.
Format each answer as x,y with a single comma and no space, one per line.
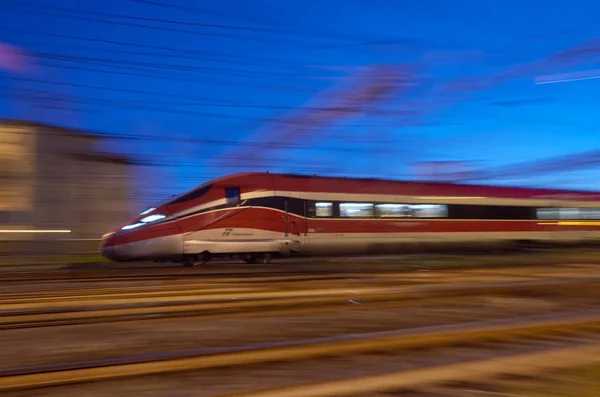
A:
82,286
39,312
485,341
316,267
69,291
449,378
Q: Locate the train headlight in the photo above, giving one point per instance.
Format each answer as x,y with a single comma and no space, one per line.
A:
152,218
106,235
145,221
129,227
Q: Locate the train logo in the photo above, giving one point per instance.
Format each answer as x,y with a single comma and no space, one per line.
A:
227,232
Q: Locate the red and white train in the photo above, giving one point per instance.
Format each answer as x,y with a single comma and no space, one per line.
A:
255,216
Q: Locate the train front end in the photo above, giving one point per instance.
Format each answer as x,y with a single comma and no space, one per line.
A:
152,235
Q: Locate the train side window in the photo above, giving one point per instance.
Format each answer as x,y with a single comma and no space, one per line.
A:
590,213
232,195
569,213
191,195
547,213
392,210
412,210
323,209
429,210
357,210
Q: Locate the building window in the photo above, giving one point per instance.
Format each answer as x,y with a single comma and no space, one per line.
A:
324,209
232,194
356,210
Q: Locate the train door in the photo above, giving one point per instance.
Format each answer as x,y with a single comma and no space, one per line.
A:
295,225
318,216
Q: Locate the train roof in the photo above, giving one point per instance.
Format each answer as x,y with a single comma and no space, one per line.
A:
314,183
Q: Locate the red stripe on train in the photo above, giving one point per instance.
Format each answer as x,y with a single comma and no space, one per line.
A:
274,221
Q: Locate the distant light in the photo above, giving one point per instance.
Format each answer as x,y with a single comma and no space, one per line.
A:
129,227
152,218
148,211
34,231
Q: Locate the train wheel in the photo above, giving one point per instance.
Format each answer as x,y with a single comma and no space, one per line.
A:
198,260
266,258
251,259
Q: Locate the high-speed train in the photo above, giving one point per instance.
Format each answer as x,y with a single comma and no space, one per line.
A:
256,216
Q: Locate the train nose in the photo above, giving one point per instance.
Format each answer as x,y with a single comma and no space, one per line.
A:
107,248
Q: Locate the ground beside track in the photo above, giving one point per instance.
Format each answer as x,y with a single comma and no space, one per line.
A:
95,341
129,280
346,367
581,381
413,261
46,345
116,274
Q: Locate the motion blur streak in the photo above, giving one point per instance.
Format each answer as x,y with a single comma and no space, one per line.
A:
35,231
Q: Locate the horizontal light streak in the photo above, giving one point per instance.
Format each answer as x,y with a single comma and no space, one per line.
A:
34,231
567,77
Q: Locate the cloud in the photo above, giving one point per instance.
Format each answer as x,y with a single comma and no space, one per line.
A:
521,102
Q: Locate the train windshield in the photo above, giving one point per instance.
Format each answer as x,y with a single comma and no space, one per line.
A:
192,194
157,204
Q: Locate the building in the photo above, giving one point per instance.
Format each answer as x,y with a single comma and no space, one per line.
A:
55,185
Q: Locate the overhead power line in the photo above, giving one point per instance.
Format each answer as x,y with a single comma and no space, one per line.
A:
160,108
197,11
180,96
182,55
90,16
120,42
174,77
234,27
172,52
168,66
209,142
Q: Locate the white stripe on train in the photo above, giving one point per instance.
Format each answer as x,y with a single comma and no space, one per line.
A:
393,199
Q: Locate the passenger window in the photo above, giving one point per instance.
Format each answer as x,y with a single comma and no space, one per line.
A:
324,209
590,213
393,210
547,213
356,209
569,213
430,210
412,210
232,194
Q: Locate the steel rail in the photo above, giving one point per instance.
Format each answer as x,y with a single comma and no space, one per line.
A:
521,364
429,337
77,312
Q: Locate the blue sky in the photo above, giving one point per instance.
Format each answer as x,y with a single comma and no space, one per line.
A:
202,91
